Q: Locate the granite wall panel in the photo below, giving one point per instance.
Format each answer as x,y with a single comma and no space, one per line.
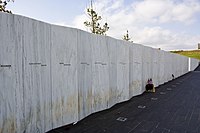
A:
64,75
135,70
51,76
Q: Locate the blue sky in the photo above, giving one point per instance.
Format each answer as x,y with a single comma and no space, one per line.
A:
165,24
48,10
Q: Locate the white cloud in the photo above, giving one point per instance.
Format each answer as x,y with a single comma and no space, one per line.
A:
139,16
78,21
161,38
162,11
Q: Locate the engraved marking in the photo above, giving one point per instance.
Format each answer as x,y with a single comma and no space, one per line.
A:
34,63
154,98
162,93
43,65
173,85
5,65
169,89
85,63
122,119
67,64
122,63
141,107
137,62
100,63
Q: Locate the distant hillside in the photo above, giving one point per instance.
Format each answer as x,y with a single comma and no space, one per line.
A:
192,53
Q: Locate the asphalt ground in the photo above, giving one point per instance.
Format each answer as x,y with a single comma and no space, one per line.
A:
173,108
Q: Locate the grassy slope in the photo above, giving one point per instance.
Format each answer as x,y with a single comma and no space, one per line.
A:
193,53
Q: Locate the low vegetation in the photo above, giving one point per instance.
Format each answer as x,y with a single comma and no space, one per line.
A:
192,53
3,4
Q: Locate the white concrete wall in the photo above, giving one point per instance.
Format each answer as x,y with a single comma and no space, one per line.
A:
135,70
155,67
64,79
11,85
100,73
112,56
52,76
84,63
36,75
122,91
193,64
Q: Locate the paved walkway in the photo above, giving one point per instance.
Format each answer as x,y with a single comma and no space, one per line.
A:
174,108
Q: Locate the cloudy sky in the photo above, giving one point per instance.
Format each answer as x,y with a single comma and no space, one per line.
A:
165,24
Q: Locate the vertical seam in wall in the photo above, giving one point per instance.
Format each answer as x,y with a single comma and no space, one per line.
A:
23,82
15,68
116,50
91,59
108,56
77,61
50,65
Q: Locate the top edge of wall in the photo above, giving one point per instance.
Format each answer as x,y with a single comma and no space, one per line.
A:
107,37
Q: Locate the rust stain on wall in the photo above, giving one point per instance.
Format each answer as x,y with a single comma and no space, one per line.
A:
9,125
56,107
135,84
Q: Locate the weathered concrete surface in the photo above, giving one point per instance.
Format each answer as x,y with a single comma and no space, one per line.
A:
64,78
100,74
11,87
122,91
112,57
173,108
36,75
85,90
52,76
135,70
193,64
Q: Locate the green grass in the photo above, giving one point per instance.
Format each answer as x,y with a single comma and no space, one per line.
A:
192,53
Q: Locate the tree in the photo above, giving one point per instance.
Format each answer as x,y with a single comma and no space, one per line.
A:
3,6
126,37
94,24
